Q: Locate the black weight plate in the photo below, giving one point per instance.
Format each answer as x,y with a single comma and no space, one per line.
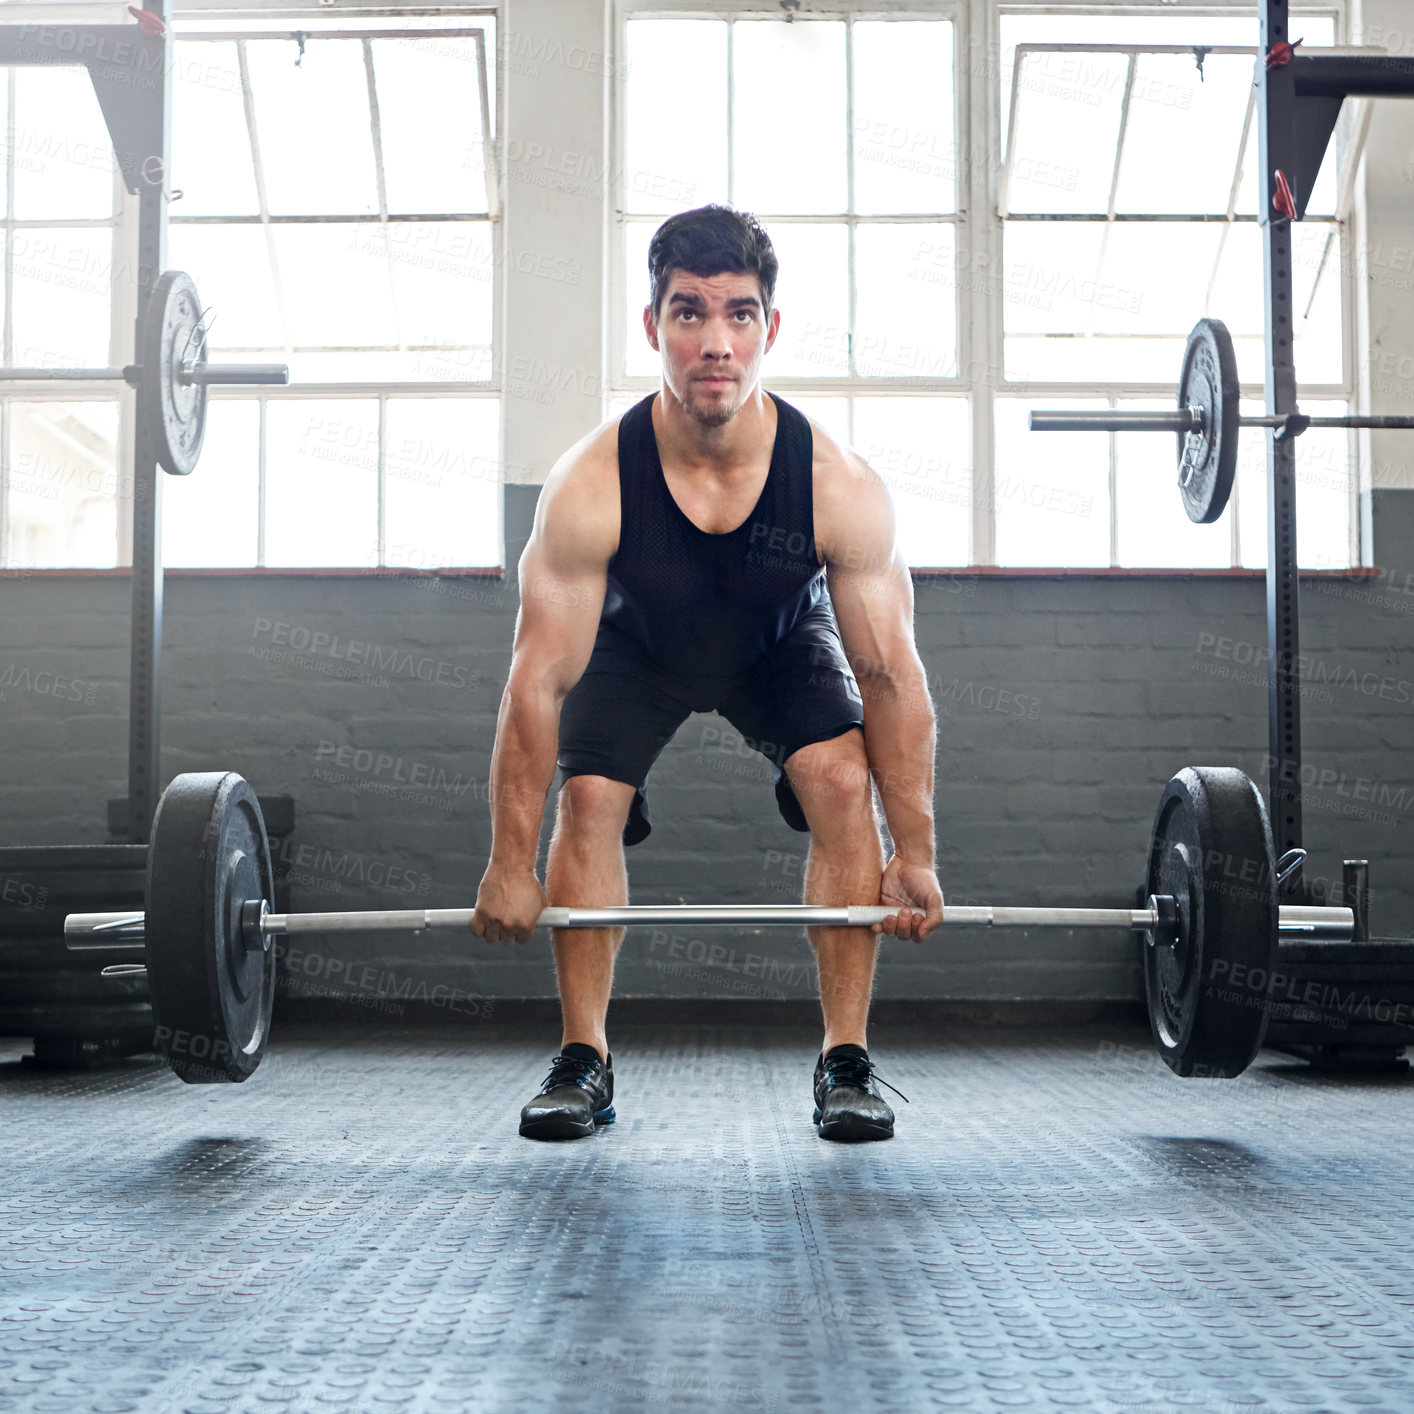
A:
1212,850
1209,381
175,411
211,994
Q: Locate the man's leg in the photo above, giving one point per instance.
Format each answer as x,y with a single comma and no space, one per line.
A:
586,869
831,781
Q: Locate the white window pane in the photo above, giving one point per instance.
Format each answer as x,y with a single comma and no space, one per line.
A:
442,281
321,483
313,123
231,267
211,518
675,153
63,304
1325,472
64,159
211,156
1067,126
63,503
788,124
812,294
1052,507
1153,280
337,285
1114,29
1173,114
441,365
1150,524
639,358
1237,297
1089,303
921,447
905,157
429,112
905,323
1320,339
831,413
443,495
1247,186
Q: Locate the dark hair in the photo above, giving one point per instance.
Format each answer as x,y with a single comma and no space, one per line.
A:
707,241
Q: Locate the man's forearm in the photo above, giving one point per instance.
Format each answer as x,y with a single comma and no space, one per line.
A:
900,737
522,768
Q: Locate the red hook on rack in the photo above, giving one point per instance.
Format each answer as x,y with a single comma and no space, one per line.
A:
149,23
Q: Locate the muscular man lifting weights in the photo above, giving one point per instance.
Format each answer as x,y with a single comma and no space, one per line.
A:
712,550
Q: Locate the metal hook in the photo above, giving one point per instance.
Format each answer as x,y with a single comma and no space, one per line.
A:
200,331
1289,865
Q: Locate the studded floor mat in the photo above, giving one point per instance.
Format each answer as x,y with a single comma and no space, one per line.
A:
1059,1224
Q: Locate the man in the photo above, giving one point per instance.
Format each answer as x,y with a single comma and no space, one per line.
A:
712,550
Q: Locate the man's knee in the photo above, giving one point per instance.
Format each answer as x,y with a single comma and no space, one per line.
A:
593,804
834,773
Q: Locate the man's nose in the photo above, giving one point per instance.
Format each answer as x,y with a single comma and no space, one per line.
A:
715,343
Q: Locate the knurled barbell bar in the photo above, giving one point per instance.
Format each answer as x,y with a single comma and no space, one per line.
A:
172,344
1206,420
1211,924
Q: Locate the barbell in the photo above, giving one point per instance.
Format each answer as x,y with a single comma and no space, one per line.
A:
171,375
1211,924
1207,421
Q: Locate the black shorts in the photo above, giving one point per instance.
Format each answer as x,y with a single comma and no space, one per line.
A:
624,710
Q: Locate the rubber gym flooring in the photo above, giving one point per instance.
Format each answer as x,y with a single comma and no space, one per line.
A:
1060,1224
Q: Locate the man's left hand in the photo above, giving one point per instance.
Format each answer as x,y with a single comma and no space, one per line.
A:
916,888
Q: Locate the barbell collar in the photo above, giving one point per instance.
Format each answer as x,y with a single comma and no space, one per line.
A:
117,931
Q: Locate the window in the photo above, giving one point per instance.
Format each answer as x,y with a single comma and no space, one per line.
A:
336,201
338,214
928,307
839,133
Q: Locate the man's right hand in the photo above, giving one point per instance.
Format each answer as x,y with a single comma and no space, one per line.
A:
508,905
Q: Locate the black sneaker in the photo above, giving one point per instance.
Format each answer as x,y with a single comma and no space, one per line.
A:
577,1095
848,1107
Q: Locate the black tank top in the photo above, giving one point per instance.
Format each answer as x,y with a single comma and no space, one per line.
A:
706,606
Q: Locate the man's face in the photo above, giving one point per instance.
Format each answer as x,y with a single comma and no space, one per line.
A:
711,331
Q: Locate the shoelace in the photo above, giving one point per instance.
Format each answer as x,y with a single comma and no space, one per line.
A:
569,1070
853,1070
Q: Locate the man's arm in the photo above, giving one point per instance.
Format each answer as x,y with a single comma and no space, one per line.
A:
563,575
873,598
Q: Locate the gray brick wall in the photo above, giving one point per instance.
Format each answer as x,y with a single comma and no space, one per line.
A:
1064,704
